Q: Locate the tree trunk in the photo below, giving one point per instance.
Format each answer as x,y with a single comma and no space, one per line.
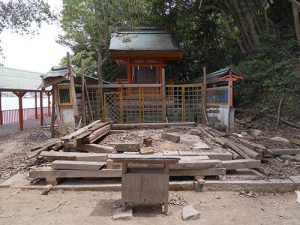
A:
99,92
296,21
245,18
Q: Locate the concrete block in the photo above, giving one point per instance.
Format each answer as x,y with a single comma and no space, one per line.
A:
189,213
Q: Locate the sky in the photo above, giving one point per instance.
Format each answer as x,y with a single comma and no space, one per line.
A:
34,53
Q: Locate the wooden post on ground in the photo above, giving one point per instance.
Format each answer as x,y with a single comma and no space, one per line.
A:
20,95
72,86
35,105
41,109
1,115
49,102
83,100
204,95
53,115
164,105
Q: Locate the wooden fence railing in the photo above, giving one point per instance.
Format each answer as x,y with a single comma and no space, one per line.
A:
12,116
145,103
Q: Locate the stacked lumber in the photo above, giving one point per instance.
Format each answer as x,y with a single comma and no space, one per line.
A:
97,165
87,134
51,144
246,149
83,140
95,160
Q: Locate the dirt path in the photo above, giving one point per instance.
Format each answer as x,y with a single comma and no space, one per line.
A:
30,207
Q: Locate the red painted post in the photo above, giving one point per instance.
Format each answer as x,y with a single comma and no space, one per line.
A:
35,105
41,109
20,95
1,115
49,103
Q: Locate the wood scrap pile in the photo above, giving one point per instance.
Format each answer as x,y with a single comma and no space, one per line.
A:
94,160
99,165
245,149
81,139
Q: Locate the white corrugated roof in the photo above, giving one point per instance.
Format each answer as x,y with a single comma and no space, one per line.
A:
19,79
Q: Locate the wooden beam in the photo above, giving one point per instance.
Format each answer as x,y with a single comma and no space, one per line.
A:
241,164
76,165
95,148
164,105
50,173
202,172
124,86
209,154
72,87
96,157
53,114
283,151
196,164
49,102
204,100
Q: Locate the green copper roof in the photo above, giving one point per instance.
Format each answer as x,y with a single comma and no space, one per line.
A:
19,79
143,39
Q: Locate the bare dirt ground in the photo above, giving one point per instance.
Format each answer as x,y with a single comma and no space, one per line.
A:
30,207
14,148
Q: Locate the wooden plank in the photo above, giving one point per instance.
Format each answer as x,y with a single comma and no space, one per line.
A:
171,137
82,130
126,147
196,164
47,143
240,149
50,173
113,165
95,148
147,150
210,155
197,172
98,133
123,158
252,145
117,132
287,151
201,146
241,164
52,155
171,153
149,125
295,141
76,165
190,158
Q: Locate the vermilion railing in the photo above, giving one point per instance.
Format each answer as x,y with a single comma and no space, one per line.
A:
12,116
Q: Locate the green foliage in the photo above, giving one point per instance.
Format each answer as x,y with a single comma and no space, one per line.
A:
88,26
269,72
21,15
